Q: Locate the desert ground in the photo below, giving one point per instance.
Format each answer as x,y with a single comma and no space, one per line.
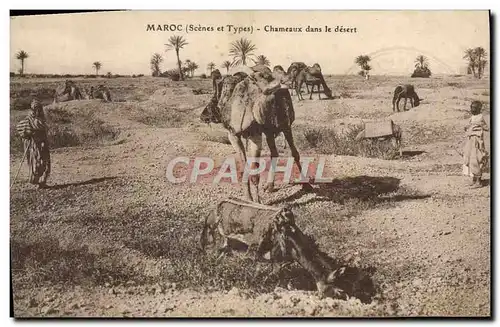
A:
113,237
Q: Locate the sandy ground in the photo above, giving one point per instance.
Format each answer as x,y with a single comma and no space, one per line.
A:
413,220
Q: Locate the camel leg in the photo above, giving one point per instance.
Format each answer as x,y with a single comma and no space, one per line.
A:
319,92
271,142
254,151
298,86
411,102
311,94
405,104
238,146
296,156
397,103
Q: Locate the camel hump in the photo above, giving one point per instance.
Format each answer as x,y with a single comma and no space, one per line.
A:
261,69
278,68
241,69
315,70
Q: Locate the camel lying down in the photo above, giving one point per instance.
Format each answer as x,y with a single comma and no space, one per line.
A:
266,229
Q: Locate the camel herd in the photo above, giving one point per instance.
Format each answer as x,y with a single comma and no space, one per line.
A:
249,104
252,103
71,91
266,95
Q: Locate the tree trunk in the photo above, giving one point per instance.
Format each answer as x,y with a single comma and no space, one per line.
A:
181,76
22,67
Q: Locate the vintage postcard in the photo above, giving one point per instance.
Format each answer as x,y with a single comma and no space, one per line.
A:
250,164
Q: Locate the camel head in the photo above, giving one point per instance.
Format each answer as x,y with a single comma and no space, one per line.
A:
289,241
279,69
225,88
215,75
284,78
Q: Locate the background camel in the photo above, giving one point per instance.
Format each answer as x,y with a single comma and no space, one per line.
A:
216,77
67,92
270,114
101,92
293,70
310,76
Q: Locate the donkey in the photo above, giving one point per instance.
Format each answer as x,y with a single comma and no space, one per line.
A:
405,91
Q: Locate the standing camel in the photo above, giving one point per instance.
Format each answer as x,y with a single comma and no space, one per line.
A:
249,106
216,76
311,76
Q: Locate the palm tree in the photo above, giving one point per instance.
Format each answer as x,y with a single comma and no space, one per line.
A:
22,56
210,66
241,50
421,62
176,43
362,61
262,60
97,65
155,62
470,56
480,54
192,67
226,64
482,65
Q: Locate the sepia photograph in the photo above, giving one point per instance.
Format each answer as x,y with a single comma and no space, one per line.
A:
250,163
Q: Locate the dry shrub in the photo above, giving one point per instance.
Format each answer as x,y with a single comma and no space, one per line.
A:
21,99
214,136
155,114
44,261
326,140
66,129
72,129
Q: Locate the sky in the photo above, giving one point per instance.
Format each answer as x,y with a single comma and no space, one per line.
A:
70,43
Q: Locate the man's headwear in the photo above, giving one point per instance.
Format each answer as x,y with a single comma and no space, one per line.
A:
37,108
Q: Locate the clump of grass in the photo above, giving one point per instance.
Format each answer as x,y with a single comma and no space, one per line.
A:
215,137
455,84
345,94
326,140
21,99
44,262
155,114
